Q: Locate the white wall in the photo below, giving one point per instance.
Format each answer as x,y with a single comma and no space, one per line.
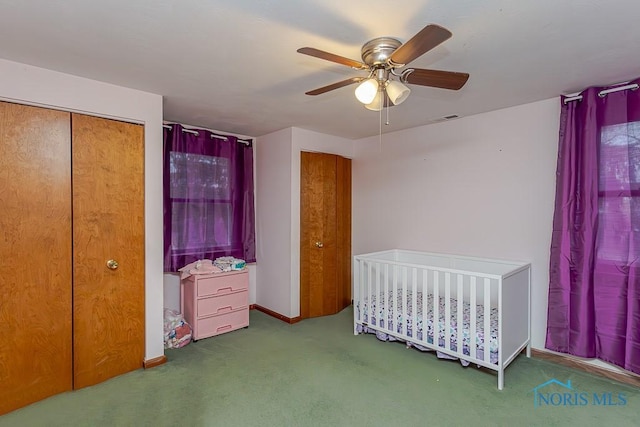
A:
483,185
272,154
278,212
36,86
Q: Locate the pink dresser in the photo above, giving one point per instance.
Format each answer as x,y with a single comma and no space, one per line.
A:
215,303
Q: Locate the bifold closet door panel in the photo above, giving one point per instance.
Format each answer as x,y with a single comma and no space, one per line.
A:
108,228
35,254
318,249
343,232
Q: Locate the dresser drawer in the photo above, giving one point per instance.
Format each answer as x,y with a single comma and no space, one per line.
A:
223,284
216,325
223,304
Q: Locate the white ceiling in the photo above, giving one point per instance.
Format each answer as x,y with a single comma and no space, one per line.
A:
232,65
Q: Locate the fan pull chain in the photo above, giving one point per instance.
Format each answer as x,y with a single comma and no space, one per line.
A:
387,122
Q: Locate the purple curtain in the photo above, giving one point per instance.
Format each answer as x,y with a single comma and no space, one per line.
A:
208,197
594,286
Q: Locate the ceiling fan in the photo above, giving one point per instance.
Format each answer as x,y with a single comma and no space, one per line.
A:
384,57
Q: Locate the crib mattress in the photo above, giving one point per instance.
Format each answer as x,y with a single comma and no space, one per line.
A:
396,321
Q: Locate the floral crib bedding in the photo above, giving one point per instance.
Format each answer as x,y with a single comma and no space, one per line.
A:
363,313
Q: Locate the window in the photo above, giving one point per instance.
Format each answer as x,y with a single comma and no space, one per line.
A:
208,197
619,192
205,201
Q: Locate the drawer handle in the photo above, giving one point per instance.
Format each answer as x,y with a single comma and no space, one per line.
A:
225,289
222,328
224,308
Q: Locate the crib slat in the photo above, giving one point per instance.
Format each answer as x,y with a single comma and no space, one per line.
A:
473,304
460,317
361,288
414,303
436,308
384,320
447,310
394,301
487,320
425,300
404,303
368,299
377,295
358,292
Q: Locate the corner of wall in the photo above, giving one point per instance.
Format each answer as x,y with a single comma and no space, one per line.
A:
273,250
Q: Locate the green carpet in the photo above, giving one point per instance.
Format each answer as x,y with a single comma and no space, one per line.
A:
317,373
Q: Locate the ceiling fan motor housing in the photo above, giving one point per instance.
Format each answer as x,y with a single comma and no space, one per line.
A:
376,52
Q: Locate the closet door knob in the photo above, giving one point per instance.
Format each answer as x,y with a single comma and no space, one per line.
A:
112,264
320,244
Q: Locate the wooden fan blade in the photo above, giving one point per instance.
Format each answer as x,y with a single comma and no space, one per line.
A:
332,57
428,38
335,86
437,78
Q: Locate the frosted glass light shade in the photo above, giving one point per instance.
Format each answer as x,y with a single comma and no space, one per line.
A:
376,104
397,92
367,90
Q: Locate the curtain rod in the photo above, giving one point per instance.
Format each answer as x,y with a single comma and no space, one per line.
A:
213,135
604,92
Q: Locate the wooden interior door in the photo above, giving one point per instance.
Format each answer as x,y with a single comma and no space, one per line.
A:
325,234
35,254
108,224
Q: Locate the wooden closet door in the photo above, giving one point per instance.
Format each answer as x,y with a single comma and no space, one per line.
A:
108,224
343,232
35,254
325,234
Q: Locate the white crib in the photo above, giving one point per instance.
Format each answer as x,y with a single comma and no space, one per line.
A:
437,301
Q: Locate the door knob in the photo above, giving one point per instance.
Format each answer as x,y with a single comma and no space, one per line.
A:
112,264
319,244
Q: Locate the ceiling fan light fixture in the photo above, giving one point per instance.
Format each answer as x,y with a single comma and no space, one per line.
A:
376,104
397,92
367,91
